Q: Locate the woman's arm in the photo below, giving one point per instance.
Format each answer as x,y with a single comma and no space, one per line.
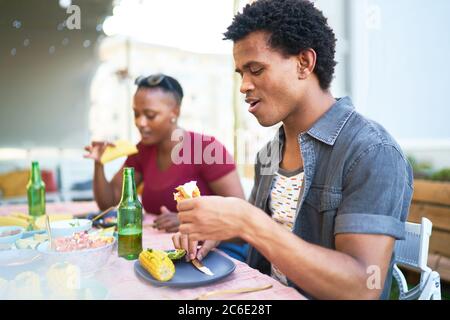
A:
228,186
106,194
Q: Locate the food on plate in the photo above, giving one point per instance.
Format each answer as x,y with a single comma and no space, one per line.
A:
107,232
21,215
187,191
11,220
9,233
39,224
158,264
4,286
31,242
110,220
175,254
26,285
121,148
63,281
81,241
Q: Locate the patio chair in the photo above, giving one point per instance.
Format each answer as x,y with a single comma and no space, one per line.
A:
412,252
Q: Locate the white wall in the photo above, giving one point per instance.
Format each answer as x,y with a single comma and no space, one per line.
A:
409,68
400,67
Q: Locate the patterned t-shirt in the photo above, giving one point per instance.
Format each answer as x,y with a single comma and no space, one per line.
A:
284,196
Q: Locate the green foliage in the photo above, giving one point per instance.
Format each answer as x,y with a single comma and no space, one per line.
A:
425,170
441,175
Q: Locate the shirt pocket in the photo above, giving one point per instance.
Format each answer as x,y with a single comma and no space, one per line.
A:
320,210
323,199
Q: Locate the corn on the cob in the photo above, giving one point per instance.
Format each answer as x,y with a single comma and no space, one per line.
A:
158,264
21,215
13,221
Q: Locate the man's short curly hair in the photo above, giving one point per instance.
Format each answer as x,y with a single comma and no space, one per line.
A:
293,26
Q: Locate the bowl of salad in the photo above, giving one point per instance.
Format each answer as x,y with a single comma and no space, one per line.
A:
90,252
65,228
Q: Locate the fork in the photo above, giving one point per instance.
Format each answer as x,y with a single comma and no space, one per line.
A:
205,296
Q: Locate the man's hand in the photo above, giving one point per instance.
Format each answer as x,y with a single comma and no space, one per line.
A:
213,217
167,221
181,241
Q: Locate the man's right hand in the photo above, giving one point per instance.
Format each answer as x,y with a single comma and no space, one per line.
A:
96,150
181,241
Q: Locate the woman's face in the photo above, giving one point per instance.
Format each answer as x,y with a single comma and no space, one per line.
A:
154,110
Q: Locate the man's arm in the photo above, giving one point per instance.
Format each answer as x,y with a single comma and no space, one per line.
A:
323,273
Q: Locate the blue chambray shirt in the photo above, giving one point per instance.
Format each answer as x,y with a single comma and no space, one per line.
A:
357,180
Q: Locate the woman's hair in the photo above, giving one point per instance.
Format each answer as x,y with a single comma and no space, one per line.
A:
293,26
165,82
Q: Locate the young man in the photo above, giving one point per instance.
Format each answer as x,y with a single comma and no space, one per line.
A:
332,190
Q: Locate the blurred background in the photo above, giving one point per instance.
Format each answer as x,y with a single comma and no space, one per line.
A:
61,87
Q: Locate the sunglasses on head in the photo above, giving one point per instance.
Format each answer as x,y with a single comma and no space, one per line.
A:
155,80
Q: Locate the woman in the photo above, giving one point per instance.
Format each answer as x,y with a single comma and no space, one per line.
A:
163,162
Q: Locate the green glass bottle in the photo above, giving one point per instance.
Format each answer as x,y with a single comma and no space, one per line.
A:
129,218
36,192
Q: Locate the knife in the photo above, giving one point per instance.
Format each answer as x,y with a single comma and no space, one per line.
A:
202,267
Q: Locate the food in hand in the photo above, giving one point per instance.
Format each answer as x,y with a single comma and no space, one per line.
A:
121,148
176,254
158,264
187,191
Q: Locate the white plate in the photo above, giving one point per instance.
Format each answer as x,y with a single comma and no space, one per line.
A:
12,238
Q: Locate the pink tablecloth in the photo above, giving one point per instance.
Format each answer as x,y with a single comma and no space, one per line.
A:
119,278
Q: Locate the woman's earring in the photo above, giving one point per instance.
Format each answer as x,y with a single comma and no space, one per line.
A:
174,120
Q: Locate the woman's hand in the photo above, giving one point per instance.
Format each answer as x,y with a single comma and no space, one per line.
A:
213,217
96,150
167,221
181,241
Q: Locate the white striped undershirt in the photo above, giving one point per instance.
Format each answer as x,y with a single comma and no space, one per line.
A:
284,195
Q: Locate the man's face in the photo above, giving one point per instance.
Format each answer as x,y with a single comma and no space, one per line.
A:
269,79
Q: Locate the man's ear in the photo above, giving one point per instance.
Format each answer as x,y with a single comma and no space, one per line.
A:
306,62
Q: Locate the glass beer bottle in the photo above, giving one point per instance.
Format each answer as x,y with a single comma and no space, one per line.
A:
129,218
36,192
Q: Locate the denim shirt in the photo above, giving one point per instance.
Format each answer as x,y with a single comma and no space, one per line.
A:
357,180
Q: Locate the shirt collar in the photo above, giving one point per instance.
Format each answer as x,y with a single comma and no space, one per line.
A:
328,127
